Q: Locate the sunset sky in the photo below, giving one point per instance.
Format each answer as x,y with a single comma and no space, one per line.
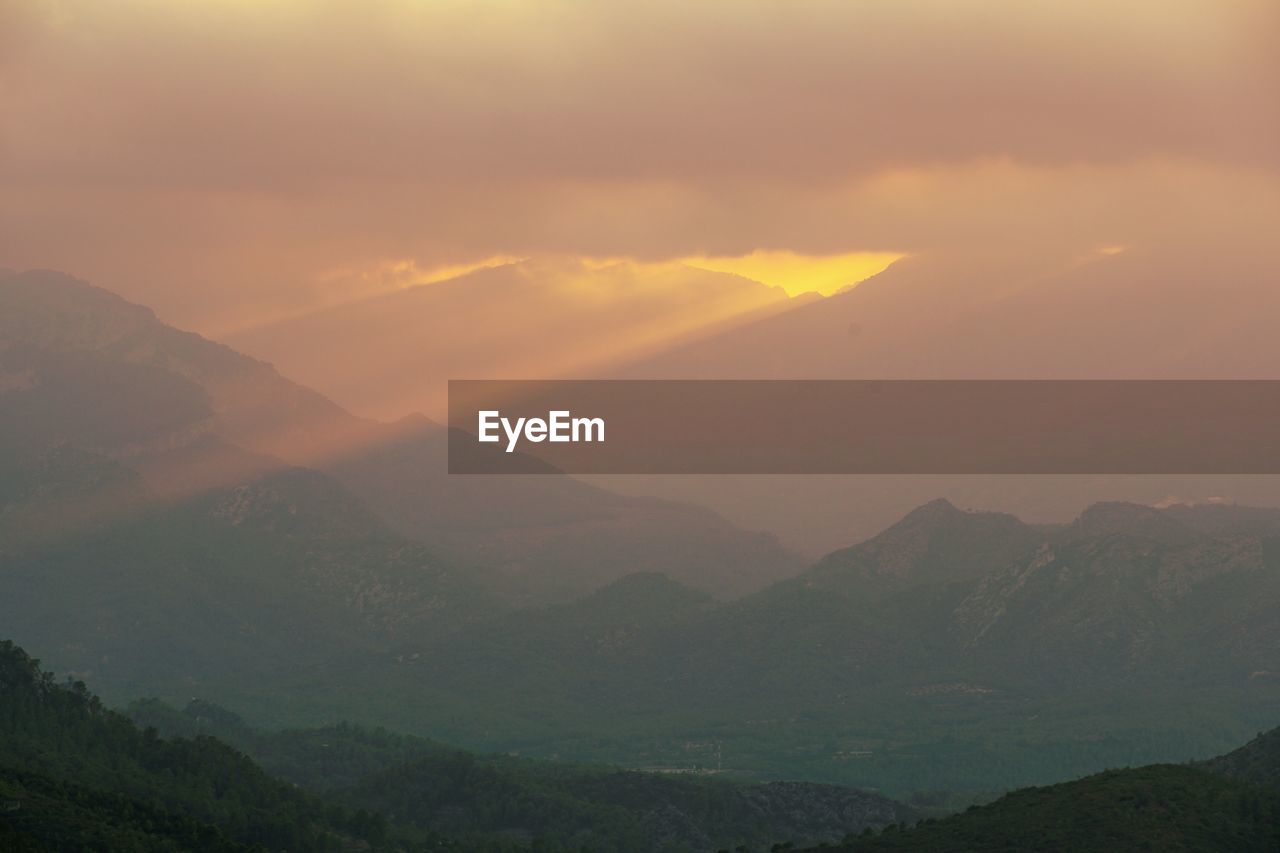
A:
230,162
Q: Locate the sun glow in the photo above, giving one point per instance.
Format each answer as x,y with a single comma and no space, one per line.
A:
796,273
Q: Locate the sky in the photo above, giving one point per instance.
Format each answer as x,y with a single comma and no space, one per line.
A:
230,162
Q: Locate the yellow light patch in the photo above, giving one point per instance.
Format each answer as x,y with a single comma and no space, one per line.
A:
444,273
796,273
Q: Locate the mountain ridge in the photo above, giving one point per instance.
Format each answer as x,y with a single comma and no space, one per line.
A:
192,415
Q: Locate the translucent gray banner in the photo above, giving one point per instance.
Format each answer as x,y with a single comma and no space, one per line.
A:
864,427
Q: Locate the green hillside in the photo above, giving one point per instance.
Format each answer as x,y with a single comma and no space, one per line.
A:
1258,761
75,775
433,788
1159,808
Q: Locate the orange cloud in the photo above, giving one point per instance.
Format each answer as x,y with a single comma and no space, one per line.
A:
220,160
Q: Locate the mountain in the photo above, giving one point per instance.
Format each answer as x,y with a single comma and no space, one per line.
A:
159,537
456,794
957,650
1223,519
550,539
392,353
610,810
935,543
1027,313
1127,592
285,580
150,534
1124,592
1257,762
83,369
1036,314
612,652
1162,807
1227,803
76,776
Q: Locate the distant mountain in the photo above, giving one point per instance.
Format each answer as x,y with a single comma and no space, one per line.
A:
1024,315
1222,519
81,368
1124,592
178,519
611,652
1130,592
548,539
150,533
286,580
392,353
936,543
968,314
1125,637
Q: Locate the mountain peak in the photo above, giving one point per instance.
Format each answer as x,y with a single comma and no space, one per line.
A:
53,309
938,508
934,543
1118,517
940,517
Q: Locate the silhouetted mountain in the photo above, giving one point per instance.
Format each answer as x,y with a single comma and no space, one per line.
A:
170,542
392,353
1132,520
1258,761
615,810
1228,803
970,314
456,794
81,368
537,540
936,543
1112,640
76,776
1220,519
286,580
1031,314
1162,807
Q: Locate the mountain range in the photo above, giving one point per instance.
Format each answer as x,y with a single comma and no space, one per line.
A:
178,520
1032,312
82,368
75,775
539,318
956,649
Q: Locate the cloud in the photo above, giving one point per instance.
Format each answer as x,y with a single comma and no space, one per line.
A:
284,95
218,157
